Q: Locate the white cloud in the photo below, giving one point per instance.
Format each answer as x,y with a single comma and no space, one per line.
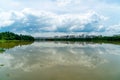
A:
63,3
5,19
114,29
33,21
108,8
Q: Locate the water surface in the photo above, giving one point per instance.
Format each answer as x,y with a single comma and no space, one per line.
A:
60,61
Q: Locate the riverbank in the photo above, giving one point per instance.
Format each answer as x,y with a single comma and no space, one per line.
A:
84,38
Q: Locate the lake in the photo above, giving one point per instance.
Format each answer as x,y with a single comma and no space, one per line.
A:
59,61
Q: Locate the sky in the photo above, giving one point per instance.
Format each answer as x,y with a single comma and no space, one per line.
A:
60,17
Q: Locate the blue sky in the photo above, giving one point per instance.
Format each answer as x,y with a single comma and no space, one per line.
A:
56,17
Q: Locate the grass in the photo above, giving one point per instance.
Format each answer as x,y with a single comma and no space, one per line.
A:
2,40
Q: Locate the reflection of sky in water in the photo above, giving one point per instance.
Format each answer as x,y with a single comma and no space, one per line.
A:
43,55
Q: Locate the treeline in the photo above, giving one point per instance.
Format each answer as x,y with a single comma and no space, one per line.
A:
13,36
106,38
84,38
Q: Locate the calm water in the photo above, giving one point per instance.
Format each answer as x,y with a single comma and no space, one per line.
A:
59,61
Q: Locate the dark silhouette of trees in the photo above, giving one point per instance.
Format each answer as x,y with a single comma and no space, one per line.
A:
13,36
84,38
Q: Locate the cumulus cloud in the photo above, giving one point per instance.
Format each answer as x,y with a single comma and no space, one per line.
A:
33,21
30,21
113,29
5,19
